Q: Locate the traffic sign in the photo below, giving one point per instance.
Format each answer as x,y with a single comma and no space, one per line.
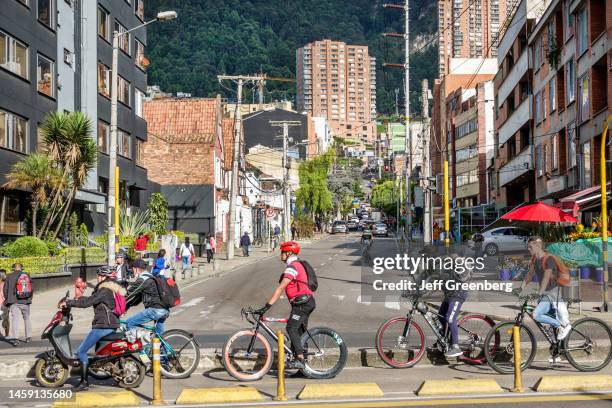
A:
271,212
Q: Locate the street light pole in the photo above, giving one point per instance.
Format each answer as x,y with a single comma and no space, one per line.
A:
113,170
604,218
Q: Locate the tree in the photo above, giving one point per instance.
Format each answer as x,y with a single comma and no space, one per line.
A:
37,173
385,196
158,213
314,195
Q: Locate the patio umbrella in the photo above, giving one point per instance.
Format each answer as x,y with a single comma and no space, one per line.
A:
539,212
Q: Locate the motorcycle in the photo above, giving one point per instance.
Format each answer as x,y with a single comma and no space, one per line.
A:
115,356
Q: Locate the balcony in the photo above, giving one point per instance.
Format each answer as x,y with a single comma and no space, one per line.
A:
512,79
515,121
516,167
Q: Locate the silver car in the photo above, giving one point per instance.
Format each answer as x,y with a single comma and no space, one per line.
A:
380,229
502,239
339,226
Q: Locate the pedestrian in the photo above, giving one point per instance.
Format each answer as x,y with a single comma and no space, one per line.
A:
209,250
478,240
213,246
276,239
245,243
436,232
140,245
293,231
4,312
18,293
187,253
160,263
124,271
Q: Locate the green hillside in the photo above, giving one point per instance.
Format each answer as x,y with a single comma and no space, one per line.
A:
238,36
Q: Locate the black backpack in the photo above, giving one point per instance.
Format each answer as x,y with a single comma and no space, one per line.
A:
168,291
313,283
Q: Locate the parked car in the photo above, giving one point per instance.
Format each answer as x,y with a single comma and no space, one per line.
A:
502,239
352,224
380,229
339,226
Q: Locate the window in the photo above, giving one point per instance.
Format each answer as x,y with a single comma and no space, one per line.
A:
103,189
124,144
552,99
554,152
537,53
103,25
104,79
138,101
583,83
551,34
124,40
141,61
467,178
569,17
538,108
582,41
139,9
569,80
103,136
466,153
9,215
13,55
571,145
13,132
45,77
139,153
46,12
586,154
123,91
466,128
539,161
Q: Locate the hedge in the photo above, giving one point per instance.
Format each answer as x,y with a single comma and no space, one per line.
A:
53,264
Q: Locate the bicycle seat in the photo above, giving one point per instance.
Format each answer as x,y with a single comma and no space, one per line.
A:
113,336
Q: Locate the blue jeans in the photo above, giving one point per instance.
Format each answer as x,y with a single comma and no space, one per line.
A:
450,310
148,315
186,262
540,313
90,341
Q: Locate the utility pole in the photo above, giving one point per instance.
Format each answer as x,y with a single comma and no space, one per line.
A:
425,166
396,102
240,79
406,67
285,124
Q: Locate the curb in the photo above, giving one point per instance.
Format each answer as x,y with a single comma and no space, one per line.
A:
90,399
219,395
575,383
351,390
431,388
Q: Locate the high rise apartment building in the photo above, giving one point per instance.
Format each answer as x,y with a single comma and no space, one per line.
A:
470,28
337,81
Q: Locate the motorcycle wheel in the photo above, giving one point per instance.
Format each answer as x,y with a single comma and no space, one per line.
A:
133,372
51,374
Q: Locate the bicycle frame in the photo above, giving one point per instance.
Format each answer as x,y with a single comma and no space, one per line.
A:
153,330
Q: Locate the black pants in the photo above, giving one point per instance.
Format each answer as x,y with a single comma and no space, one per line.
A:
209,255
298,322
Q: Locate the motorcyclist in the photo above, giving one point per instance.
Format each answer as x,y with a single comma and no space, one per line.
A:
145,290
104,322
294,282
366,235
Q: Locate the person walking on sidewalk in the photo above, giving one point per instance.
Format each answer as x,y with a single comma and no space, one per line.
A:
187,253
245,243
293,231
18,293
160,263
145,290
276,237
210,253
123,270
4,313
436,232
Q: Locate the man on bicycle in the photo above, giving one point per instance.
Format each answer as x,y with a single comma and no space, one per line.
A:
366,236
294,282
549,291
145,290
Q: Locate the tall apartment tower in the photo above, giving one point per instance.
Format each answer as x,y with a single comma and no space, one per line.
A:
470,28
337,81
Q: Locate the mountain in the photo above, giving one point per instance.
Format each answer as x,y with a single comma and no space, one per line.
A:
238,36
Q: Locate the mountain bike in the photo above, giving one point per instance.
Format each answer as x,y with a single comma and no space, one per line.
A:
179,351
400,341
248,355
587,347
257,242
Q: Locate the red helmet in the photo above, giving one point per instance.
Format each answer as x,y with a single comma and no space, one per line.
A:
290,246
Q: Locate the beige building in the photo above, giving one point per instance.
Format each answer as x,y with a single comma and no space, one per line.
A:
469,29
337,81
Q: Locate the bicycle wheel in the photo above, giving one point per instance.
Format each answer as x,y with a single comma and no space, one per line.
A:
325,352
472,332
257,242
499,347
588,346
246,363
180,354
397,350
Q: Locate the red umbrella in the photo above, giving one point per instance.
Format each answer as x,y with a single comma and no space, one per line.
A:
539,212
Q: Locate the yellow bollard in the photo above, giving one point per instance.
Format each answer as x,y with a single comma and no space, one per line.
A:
157,393
280,388
518,381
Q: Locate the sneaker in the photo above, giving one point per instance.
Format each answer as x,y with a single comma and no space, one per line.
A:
563,331
28,339
14,342
555,360
453,351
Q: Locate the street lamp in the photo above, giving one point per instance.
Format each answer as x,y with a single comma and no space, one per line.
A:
113,170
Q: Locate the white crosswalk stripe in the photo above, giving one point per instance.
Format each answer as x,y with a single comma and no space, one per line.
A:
364,300
392,302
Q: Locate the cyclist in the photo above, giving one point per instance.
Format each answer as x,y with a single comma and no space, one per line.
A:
294,282
549,291
145,290
105,321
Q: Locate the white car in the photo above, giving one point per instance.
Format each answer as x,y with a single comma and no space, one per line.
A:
380,229
339,226
502,239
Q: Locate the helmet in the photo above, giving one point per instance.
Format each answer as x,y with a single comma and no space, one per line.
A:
290,246
108,271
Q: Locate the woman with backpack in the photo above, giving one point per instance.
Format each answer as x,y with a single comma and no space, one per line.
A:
108,302
18,293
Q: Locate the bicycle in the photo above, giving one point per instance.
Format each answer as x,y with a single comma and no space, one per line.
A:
400,341
257,242
179,352
247,354
582,341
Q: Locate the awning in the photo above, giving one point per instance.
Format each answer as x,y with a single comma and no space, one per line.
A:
584,200
90,197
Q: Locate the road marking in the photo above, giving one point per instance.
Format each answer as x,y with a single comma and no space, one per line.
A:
336,254
364,300
329,259
392,302
323,264
339,297
192,302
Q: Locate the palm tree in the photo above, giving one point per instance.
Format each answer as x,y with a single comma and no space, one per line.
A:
35,172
